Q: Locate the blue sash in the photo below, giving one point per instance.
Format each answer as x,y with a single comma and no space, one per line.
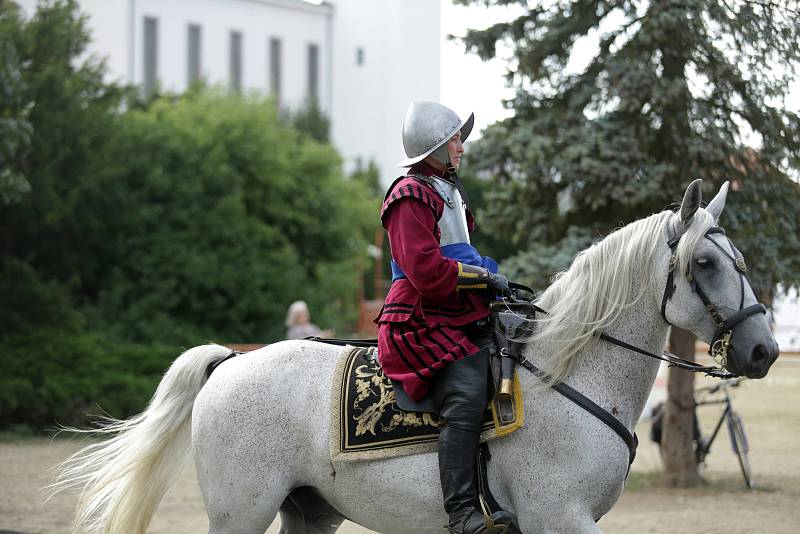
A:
463,252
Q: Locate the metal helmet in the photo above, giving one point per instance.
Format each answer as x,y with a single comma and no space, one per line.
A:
427,128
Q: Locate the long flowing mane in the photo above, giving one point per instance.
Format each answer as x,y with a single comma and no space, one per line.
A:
603,281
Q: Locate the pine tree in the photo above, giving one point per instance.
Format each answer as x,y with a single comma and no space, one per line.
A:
15,127
676,90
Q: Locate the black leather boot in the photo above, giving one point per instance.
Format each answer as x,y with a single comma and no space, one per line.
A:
475,522
460,393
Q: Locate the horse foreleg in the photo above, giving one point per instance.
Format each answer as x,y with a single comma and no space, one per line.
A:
305,512
576,518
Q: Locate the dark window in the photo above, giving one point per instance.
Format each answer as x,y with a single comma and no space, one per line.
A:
275,68
195,52
313,71
150,54
236,61
359,56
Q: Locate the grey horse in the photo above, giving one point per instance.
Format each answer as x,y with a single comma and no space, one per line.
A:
258,428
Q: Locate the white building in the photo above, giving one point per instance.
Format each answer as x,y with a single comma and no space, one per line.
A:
364,60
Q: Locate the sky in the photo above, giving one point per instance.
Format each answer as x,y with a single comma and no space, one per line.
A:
469,84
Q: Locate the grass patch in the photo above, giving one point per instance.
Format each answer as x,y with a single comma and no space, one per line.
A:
713,483
17,433
643,480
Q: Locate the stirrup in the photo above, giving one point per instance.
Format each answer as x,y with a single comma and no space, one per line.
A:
490,527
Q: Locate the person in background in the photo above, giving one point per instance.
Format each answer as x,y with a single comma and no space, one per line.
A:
298,322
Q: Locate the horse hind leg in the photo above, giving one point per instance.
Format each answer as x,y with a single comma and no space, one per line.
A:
305,511
241,508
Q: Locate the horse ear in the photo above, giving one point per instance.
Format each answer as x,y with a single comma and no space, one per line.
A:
716,206
691,202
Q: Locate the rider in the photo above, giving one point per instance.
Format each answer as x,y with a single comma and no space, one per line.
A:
428,341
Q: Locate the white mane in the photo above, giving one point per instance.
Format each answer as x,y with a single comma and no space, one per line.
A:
604,281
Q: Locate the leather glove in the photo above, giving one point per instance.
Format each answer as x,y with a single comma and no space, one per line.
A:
471,277
498,284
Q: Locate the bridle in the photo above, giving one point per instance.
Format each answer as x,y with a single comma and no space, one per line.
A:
718,349
518,302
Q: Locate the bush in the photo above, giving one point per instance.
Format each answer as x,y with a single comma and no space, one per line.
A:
55,376
210,215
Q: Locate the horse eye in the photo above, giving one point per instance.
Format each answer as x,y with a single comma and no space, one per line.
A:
704,263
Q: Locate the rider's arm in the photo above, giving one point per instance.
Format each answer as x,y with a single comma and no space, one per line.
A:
410,225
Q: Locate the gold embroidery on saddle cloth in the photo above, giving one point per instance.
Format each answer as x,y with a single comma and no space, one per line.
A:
367,424
367,376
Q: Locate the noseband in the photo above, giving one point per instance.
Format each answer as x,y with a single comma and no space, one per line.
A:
718,350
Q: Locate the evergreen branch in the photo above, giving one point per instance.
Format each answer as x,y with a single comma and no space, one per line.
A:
770,5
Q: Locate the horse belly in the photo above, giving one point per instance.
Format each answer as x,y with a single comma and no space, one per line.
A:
391,496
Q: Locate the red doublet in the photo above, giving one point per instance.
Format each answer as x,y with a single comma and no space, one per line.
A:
420,327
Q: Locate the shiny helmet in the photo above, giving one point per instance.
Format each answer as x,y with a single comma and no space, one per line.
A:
427,128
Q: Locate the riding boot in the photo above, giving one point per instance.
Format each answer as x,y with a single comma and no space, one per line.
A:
461,395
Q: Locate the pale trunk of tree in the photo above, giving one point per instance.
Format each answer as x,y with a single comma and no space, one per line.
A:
677,449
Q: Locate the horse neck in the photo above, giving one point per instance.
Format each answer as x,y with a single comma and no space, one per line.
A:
616,378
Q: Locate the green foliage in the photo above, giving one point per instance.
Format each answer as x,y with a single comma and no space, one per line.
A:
55,376
15,128
211,215
152,223
369,179
28,300
311,120
668,97
484,238
73,115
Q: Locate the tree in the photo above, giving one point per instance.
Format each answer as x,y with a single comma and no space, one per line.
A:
15,128
72,112
209,215
311,120
669,95
150,223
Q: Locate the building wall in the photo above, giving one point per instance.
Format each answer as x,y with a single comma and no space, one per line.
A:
366,102
117,28
401,44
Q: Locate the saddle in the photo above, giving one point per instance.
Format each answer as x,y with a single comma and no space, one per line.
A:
511,323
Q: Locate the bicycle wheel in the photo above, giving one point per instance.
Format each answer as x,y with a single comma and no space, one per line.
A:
739,445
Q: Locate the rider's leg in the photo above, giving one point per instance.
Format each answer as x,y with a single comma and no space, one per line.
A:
460,393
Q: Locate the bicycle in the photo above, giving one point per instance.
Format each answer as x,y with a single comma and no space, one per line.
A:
702,444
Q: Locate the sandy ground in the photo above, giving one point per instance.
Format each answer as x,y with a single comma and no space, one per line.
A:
770,408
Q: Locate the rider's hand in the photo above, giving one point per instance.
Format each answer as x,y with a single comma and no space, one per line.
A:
474,277
497,284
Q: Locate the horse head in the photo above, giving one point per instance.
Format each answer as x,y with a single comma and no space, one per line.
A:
708,291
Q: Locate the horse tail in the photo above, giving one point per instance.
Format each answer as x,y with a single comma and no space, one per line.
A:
122,479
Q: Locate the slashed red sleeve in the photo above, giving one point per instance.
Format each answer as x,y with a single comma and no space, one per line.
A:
410,225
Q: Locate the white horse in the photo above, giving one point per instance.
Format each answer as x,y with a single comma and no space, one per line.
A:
259,426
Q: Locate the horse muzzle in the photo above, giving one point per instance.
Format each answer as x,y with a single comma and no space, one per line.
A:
757,363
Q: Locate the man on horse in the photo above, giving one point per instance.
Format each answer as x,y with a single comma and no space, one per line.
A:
429,343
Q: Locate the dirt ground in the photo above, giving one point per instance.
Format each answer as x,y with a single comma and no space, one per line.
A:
770,409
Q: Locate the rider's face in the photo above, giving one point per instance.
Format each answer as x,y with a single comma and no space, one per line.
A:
455,149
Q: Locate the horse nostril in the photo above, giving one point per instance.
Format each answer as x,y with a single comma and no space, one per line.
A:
760,355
